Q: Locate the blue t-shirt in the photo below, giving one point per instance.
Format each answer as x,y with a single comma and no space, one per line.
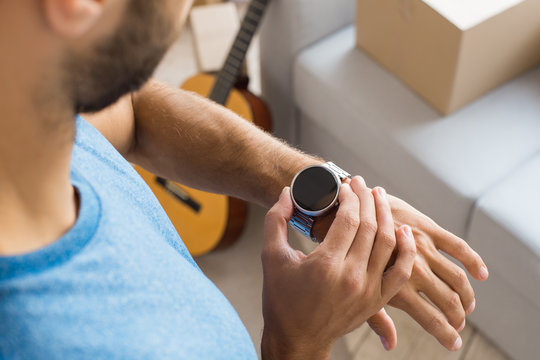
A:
120,284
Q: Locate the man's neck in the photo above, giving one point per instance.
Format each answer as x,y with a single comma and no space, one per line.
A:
37,201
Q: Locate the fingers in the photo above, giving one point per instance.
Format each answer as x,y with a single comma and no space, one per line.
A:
399,273
460,250
447,300
275,226
456,278
431,319
385,241
383,325
343,230
361,248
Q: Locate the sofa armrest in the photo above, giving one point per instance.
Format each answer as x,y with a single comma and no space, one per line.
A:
288,27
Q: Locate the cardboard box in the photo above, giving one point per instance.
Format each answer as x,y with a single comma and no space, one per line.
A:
451,51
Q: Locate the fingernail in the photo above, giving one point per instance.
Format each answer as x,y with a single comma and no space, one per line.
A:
384,343
381,192
408,230
457,344
484,273
462,326
471,307
345,185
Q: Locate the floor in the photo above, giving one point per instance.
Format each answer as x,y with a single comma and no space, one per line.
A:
238,274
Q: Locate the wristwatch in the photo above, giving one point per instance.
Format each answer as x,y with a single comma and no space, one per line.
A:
314,192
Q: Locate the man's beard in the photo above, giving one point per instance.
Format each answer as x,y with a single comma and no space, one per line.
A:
123,62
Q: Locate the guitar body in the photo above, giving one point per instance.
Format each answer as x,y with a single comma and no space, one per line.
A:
209,221
220,219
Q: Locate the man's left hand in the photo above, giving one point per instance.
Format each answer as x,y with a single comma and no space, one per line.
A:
440,280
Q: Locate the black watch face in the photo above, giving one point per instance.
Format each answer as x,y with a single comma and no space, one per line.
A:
315,188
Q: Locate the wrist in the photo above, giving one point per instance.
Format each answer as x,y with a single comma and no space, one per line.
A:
275,347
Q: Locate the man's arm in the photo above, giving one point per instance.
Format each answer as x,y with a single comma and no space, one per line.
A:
186,138
183,137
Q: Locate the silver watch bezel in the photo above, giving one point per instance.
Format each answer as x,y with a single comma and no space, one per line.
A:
334,201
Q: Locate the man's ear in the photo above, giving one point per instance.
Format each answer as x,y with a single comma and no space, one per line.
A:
72,18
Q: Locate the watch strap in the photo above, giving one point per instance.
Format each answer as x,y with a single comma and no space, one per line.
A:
302,223
342,174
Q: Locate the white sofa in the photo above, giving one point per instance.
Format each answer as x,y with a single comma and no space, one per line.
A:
476,172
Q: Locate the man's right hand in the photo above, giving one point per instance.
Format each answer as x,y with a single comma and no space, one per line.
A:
309,301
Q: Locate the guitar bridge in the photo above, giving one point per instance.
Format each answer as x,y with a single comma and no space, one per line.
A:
179,194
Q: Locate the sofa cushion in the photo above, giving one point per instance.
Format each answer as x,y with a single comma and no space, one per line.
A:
443,164
505,229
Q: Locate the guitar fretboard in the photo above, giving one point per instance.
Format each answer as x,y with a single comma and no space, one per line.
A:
233,64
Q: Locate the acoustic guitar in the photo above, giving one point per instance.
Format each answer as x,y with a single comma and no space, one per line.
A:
207,221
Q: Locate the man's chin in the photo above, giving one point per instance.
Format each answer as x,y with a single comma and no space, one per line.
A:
98,102
123,62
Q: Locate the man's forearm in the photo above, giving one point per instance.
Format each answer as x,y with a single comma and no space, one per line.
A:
189,139
186,138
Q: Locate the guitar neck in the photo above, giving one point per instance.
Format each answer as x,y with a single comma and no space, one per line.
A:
230,71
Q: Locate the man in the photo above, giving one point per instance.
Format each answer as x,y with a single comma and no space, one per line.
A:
90,266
